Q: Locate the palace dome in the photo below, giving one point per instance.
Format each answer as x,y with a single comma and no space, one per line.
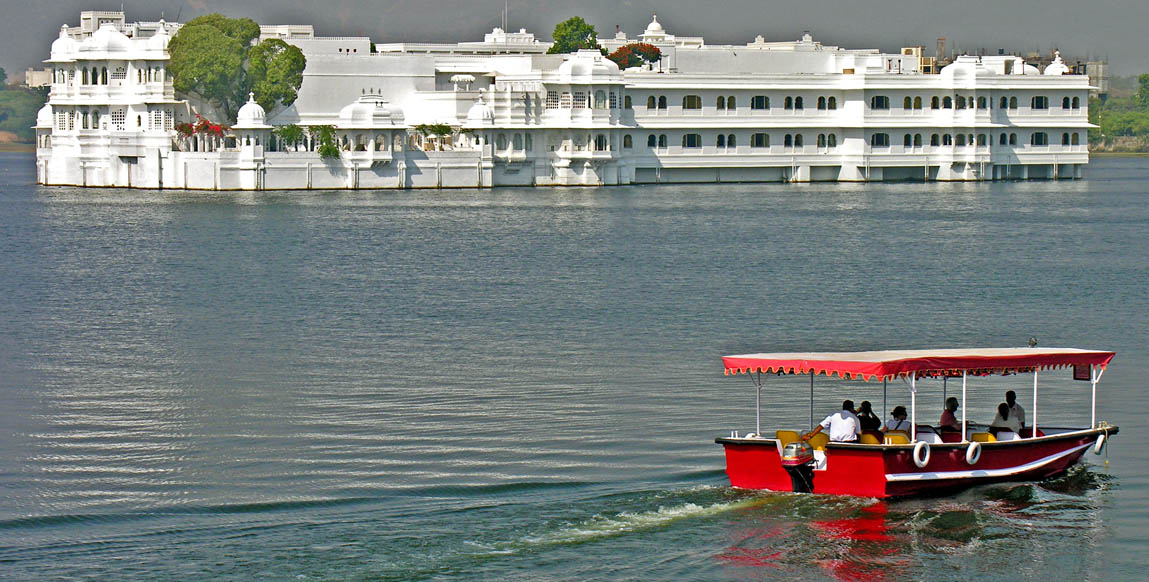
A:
655,27
251,115
159,41
480,114
63,47
44,117
585,65
108,39
1057,67
368,111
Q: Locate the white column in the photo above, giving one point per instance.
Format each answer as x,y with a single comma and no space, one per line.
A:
913,408
1034,429
963,429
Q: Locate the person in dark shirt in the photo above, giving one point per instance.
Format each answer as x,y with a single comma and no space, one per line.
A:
866,416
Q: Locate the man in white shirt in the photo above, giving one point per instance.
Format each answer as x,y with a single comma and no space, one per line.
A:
1015,409
843,426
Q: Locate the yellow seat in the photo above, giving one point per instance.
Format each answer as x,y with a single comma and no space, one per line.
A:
983,437
819,441
897,437
868,439
785,437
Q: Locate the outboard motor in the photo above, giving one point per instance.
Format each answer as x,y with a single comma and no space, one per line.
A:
798,461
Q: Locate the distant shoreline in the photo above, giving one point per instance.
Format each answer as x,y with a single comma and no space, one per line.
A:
1119,154
26,148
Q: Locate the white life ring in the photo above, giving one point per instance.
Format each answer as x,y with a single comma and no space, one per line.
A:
921,459
973,453
1100,445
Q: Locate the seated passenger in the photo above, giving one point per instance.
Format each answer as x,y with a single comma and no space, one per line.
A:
897,420
866,416
949,421
843,426
1004,420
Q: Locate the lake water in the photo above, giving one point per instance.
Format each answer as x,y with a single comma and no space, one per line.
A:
525,384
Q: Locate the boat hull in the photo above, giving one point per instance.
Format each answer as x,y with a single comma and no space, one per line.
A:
890,471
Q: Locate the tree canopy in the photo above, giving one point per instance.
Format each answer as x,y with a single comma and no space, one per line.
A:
572,35
635,54
212,56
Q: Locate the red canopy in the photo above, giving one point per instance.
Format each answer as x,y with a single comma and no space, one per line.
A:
887,364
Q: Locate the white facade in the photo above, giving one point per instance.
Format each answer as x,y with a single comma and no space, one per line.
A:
764,111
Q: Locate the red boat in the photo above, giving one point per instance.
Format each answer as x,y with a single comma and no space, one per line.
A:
922,460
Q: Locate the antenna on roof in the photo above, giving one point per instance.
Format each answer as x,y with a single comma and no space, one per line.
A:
506,9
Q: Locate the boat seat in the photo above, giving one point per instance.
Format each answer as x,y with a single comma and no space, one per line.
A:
1007,435
1027,432
951,437
932,438
819,441
983,437
897,437
785,437
868,439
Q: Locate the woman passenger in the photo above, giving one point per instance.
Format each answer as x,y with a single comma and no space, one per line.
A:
1004,420
897,420
866,416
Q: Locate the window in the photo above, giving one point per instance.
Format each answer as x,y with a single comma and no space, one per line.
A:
788,141
84,119
1039,102
650,102
600,100
1077,103
917,102
960,139
651,141
934,140
84,76
565,100
662,101
1004,103
518,142
1039,138
600,144
692,140
760,102
1002,139
797,103
1013,102
627,142
501,142
1076,138
61,120
579,100
1013,139
879,102
1065,102
947,139
960,102
789,103
721,104
880,140
982,139
530,143
96,120
907,103
821,103
626,103
821,140
731,104
934,103
947,102
798,140
908,141
832,140
120,74
1065,139
760,140
119,116
104,76
692,102
982,103
917,140
662,141
832,103
731,142
721,141
613,100
552,100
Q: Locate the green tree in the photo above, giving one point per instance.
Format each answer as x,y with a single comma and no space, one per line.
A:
243,30
208,63
289,135
3,79
275,72
324,137
572,35
1143,92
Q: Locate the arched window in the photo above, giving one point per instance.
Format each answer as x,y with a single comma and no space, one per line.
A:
600,143
1065,139
960,102
1002,139
917,140
947,102
721,105
788,103
84,76
518,141
1065,102
731,104
662,101
788,141
1013,139
934,140
1004,103
104,76
821,103
961,139
798,140
917,102
947,139
692,102
982,139
907,103
908,141
1013,102
501,142
797,103
832,140
1076,138
662,141
626,102
721,142
821,140
651,141
832,104
627,142
982,103
600,100
731,142
934,103
84,119
650,102
1077,103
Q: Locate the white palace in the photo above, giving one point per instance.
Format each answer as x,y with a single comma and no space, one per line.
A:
793,111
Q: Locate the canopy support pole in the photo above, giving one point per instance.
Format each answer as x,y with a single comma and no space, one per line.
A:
944,392
1094,375
963,408
758,407
883,398
913,408
811,400
1034,429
